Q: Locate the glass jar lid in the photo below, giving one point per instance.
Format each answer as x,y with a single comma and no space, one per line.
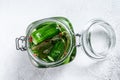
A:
98,39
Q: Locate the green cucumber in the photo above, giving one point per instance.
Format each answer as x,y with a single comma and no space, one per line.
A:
57,51
44,33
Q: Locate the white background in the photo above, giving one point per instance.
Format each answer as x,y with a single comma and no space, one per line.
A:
16,15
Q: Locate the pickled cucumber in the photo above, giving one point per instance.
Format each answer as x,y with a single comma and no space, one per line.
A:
57,51
49,42
44,33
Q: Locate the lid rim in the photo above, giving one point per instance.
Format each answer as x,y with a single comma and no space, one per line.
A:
86,43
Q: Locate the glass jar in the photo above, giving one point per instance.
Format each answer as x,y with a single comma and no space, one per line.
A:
51,42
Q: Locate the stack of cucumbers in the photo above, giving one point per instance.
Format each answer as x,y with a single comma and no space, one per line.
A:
49,41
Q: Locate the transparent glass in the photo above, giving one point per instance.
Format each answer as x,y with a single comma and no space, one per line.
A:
71,51
97,41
